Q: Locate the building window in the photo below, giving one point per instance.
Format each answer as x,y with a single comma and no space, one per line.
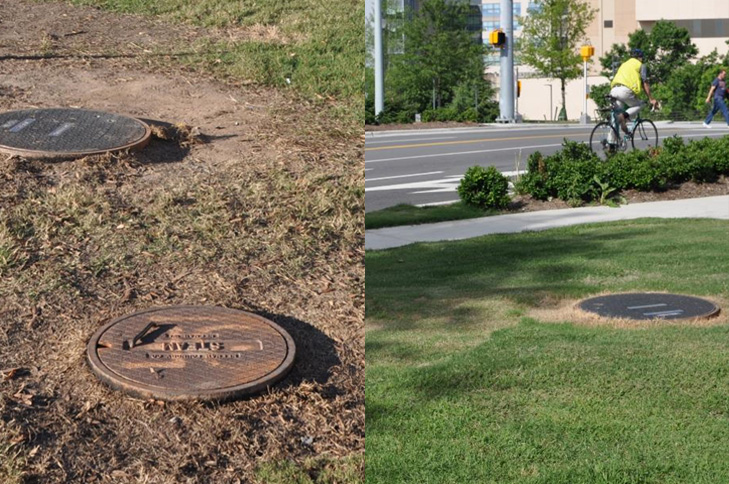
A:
517,9
608,24
533,8
491,9
490,25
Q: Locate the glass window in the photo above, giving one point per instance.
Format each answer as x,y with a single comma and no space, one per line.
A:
533,7
491,9
490,25
517,8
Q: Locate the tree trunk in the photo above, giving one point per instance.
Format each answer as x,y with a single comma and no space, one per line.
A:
563,111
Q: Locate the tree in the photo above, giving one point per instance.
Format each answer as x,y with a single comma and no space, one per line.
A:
666,48
551,34
675,79
438,53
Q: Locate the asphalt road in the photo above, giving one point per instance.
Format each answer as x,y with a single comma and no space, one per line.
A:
424,167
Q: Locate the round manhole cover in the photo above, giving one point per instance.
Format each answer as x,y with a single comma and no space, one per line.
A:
191,352
69,133
645,306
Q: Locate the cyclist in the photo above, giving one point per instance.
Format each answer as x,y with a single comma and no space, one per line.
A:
630,80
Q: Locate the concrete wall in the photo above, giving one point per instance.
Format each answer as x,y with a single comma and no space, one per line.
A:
534,103
680,9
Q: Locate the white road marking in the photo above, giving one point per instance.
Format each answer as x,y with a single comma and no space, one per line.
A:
436,204
461,153
404,176
397,141
447,184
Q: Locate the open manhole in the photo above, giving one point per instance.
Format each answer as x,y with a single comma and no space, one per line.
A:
69,133
645,306
191,352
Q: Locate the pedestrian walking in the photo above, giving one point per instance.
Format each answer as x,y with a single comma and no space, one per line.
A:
718,89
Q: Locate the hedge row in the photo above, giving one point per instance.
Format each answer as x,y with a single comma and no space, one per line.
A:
576,175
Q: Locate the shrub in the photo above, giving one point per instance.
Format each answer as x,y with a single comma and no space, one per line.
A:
534,181
568,174
484,188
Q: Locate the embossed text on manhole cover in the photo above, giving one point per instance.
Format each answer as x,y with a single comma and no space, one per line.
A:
69,133
645,306
191,352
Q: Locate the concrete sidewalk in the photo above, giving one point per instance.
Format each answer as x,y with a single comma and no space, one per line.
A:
710,207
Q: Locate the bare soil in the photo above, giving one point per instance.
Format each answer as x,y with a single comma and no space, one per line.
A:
253,201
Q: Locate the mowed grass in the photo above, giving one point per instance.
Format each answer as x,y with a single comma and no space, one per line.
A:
405,214
467,383
312,47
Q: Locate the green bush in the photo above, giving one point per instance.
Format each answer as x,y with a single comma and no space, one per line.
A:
575,175
534,181
568,174
572,176
484,188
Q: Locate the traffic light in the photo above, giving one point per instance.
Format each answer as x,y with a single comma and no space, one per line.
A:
518,88
497,38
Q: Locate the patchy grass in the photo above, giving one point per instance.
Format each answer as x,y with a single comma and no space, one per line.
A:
315,48
465,385
405,214
314,471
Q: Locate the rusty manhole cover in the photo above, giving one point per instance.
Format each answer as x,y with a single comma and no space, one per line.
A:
191,352
69,133
645,306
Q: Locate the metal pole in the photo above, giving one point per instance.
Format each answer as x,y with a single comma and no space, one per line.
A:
584,119
506,95
516,95
550,101
379,61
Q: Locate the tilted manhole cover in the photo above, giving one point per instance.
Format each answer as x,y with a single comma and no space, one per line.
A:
191,352
69,133
646,306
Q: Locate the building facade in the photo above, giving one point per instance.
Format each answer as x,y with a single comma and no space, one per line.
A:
707,21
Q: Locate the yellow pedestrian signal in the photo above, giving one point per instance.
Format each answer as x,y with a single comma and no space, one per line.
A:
497,38
518,88
586,52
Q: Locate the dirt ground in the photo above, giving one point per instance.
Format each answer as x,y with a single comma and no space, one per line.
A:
525,203
254,202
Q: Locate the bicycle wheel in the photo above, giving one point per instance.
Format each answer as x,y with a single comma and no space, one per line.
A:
604,140
645,135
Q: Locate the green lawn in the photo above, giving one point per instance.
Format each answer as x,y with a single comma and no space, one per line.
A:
404,214
465,384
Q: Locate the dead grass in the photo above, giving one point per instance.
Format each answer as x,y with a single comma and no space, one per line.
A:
567,311
88,240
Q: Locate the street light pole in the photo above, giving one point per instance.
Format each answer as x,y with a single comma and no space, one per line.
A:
506,93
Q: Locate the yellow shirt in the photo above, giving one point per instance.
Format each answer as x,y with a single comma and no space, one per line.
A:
629,76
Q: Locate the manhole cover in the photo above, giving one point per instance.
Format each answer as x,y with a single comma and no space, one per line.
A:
191,352
650,306
69,133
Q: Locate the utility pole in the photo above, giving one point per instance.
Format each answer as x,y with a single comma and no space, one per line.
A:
379,61
506,93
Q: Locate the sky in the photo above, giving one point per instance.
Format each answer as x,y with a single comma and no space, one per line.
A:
369,6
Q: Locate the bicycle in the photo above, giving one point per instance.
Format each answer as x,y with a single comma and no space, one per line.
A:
606,138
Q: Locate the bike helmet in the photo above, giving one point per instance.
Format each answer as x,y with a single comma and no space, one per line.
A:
637,53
